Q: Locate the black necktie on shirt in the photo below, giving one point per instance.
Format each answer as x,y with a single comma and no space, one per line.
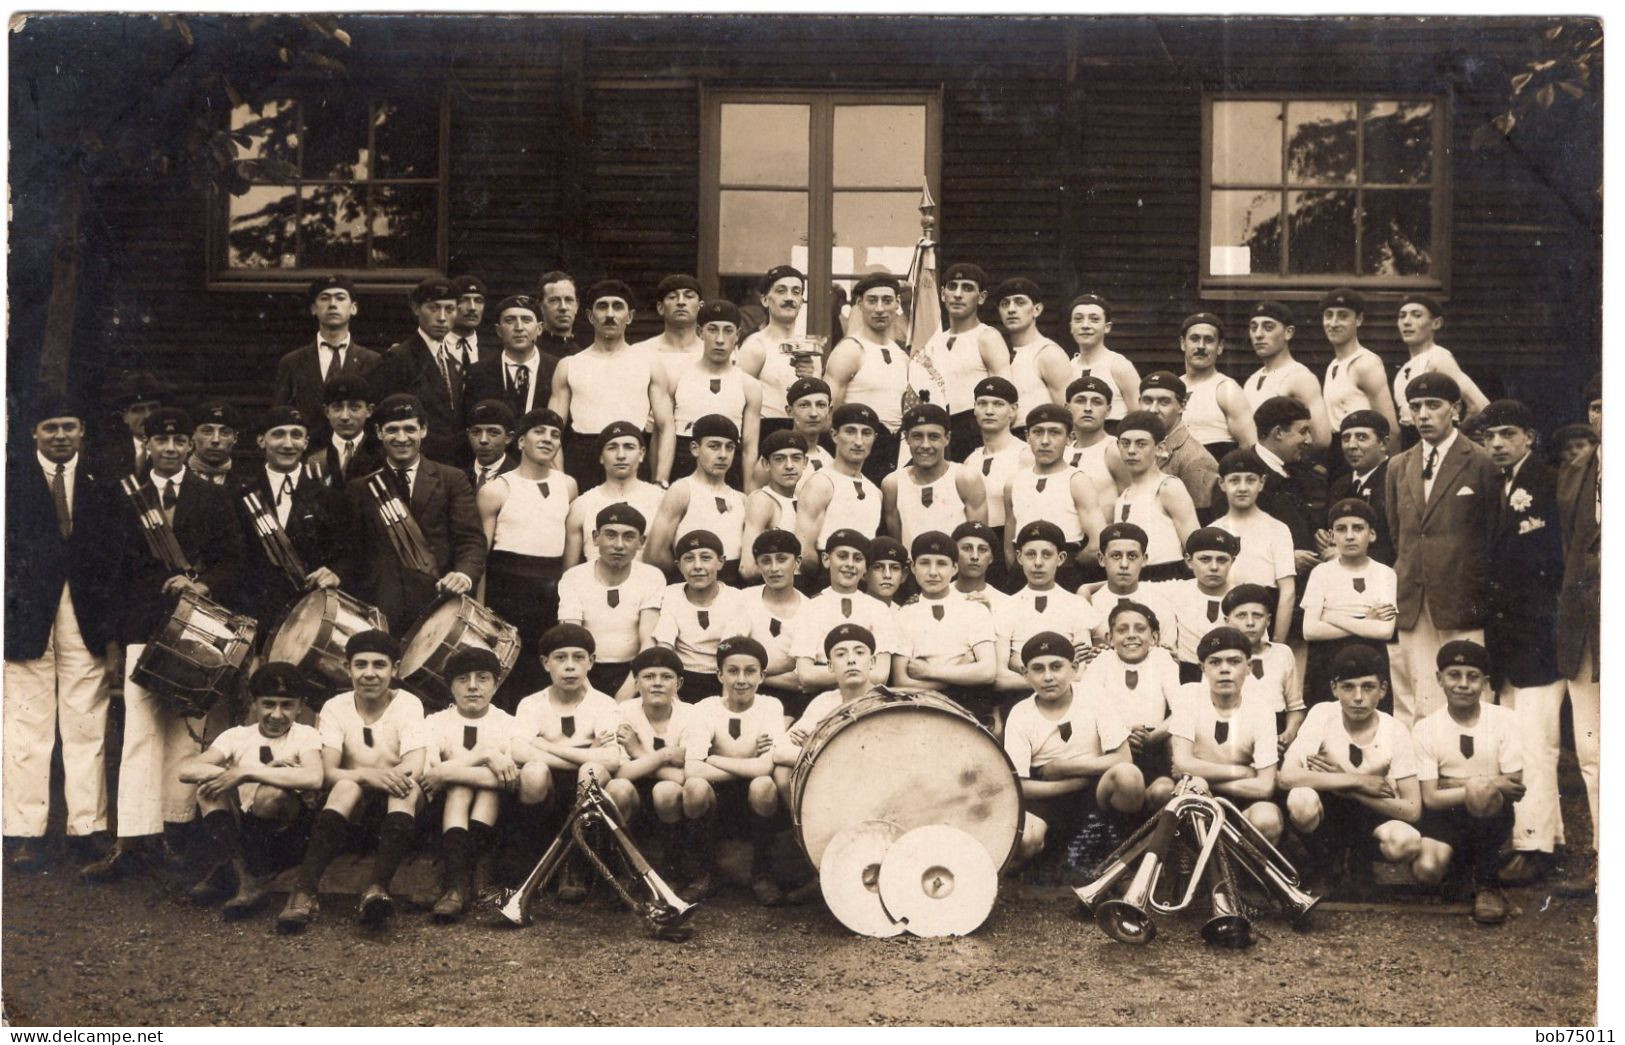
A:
1432,463
59,497
335,362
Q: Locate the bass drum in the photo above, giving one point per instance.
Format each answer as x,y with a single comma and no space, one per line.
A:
313,635
457,623
909,757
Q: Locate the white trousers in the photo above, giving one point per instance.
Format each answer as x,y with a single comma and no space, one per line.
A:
1585,696
156,742
1413,665
66,688
1537,820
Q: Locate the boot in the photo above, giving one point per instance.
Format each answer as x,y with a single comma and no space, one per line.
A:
703,853
213,886
250,891
762,881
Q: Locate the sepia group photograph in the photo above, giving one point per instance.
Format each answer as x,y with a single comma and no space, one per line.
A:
829,519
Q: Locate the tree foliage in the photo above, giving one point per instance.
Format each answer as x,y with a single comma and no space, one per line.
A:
1563,77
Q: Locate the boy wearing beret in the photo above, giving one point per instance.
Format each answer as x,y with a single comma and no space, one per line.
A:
1122,556
490,432
1042,604
956,359
213,441
697,614
1089,319
1272,670
1163,393
867,367
713,385
652,738
772,505
1363,438
1053,491
348,448
931,492
1356,379
1419,320
840,497
776,355
771,609
616,596
1000,454
1089,399
1039,368
1270,327
846,558
1155,501
620,456
1267,557
1198,601
1139,681
702,500
949,641
1349,601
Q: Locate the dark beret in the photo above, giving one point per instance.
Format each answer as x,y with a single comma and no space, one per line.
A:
1050,413
1223,638
373,640
519,301
620,514
1427,301
1593,389
1357,662
769,542
1242,462
279,680
781,439
1040,530
468,285
887,549
675,282
981,531
997,388
965,270
1212,539
925,414
1123,606
713,425
169,420
1278,411
876,281
1352,506
778,272
1504,412
1365,419
335,281
346,388
1143,421
1577,430
1464,653
402,406
470,659
848,538
1019,285
215,412
855,414
694,540
609,288
848,633
565,636
435,288
657,657
1089,384
54,404
1123,531
1047,644
1247,595
803,387
619,430
491,412
1344,297
1276,310
1167,381
933,542
1433,385
718,311
541,417
282,416
1090,299
741,646
1196,319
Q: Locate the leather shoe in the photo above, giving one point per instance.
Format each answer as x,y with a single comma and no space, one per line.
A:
250,891
806,892
28,855
451,905
1489,906
299,912
699,887
767,891
1525,868
572,882
1580,884
127,855
83,849
376,906
212,887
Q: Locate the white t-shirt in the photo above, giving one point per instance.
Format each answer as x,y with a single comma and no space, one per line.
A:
1247,730
596,717
673,732
1272,676
818,709
1104,600
769,626
1266,550
448,733
696,631
1140,694
1333,586
376,743
1442,745
1086,729
715,729
1195,613
829,609
1388,753
611,614
940,629
1057,609
247,746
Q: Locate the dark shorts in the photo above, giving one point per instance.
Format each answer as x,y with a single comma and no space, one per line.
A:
1164,571
733,808
1346,826
1155,760
795,702
697,685
1189,672
606,676
1475,842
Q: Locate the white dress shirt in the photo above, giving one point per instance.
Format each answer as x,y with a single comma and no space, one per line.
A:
70,470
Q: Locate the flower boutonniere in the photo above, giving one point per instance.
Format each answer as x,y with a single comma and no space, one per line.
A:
1520,500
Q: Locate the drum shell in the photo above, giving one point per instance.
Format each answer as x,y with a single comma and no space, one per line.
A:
188,668
453,625
323,661
911,757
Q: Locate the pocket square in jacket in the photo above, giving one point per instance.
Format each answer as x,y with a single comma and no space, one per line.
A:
1465,491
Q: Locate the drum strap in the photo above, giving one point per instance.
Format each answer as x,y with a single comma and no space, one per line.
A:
274,539
404,533
161,540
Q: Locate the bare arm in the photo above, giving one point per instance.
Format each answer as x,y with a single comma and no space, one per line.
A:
1372,381
973,492
1176,501
663,531
665,434
1056,370
1086,766
844,361
1303,387
1090,516
891,521
1236,415
559,400
749,435
811,505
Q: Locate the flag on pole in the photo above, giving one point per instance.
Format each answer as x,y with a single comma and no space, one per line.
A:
925,310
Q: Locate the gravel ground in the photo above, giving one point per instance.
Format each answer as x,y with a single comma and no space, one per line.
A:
134,953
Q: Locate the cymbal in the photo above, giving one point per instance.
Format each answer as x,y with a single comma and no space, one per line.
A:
849,876
938,881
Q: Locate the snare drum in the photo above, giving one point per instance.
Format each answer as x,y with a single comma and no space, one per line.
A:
459,623
913,758
196,657
313,635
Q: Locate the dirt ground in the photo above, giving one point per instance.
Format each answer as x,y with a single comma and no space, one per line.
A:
135,953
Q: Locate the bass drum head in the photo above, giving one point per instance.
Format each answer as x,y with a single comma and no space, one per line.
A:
428,636
914,765
297,634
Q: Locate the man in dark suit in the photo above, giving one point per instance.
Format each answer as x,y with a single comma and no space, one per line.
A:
1579,619
301,373
1363,437
56,634
556,293
1444,510
349,449
152,800
490,437
441,500
429,368
120,448
1522,630
521,375
314,515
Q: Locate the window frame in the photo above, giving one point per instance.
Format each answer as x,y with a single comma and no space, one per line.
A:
222,276
1312,286
821,187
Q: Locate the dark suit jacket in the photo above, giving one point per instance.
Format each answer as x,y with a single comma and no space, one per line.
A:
410,367
39,561
510,461
1298,500
299,381
1444,546
1522,637
368,458
318,526
1375,493
114,456
1579,601
489,379
443,505
206,526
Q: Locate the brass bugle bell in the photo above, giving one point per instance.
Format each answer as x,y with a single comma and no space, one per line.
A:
1128,918
1228,927
1280,882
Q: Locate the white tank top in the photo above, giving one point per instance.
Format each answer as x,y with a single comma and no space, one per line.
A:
1091,461
1265,384
1140,507
1415,367
1203,415
645,497
1034,496
701,392
959,363
606,387
784,510
854,504
1103,370
880,381
531,521
1342,395
1031,390
935,506
778,373
818,459
996,471
720,509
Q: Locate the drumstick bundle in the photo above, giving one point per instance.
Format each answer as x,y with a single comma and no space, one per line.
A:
154,527
403,531
274,539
